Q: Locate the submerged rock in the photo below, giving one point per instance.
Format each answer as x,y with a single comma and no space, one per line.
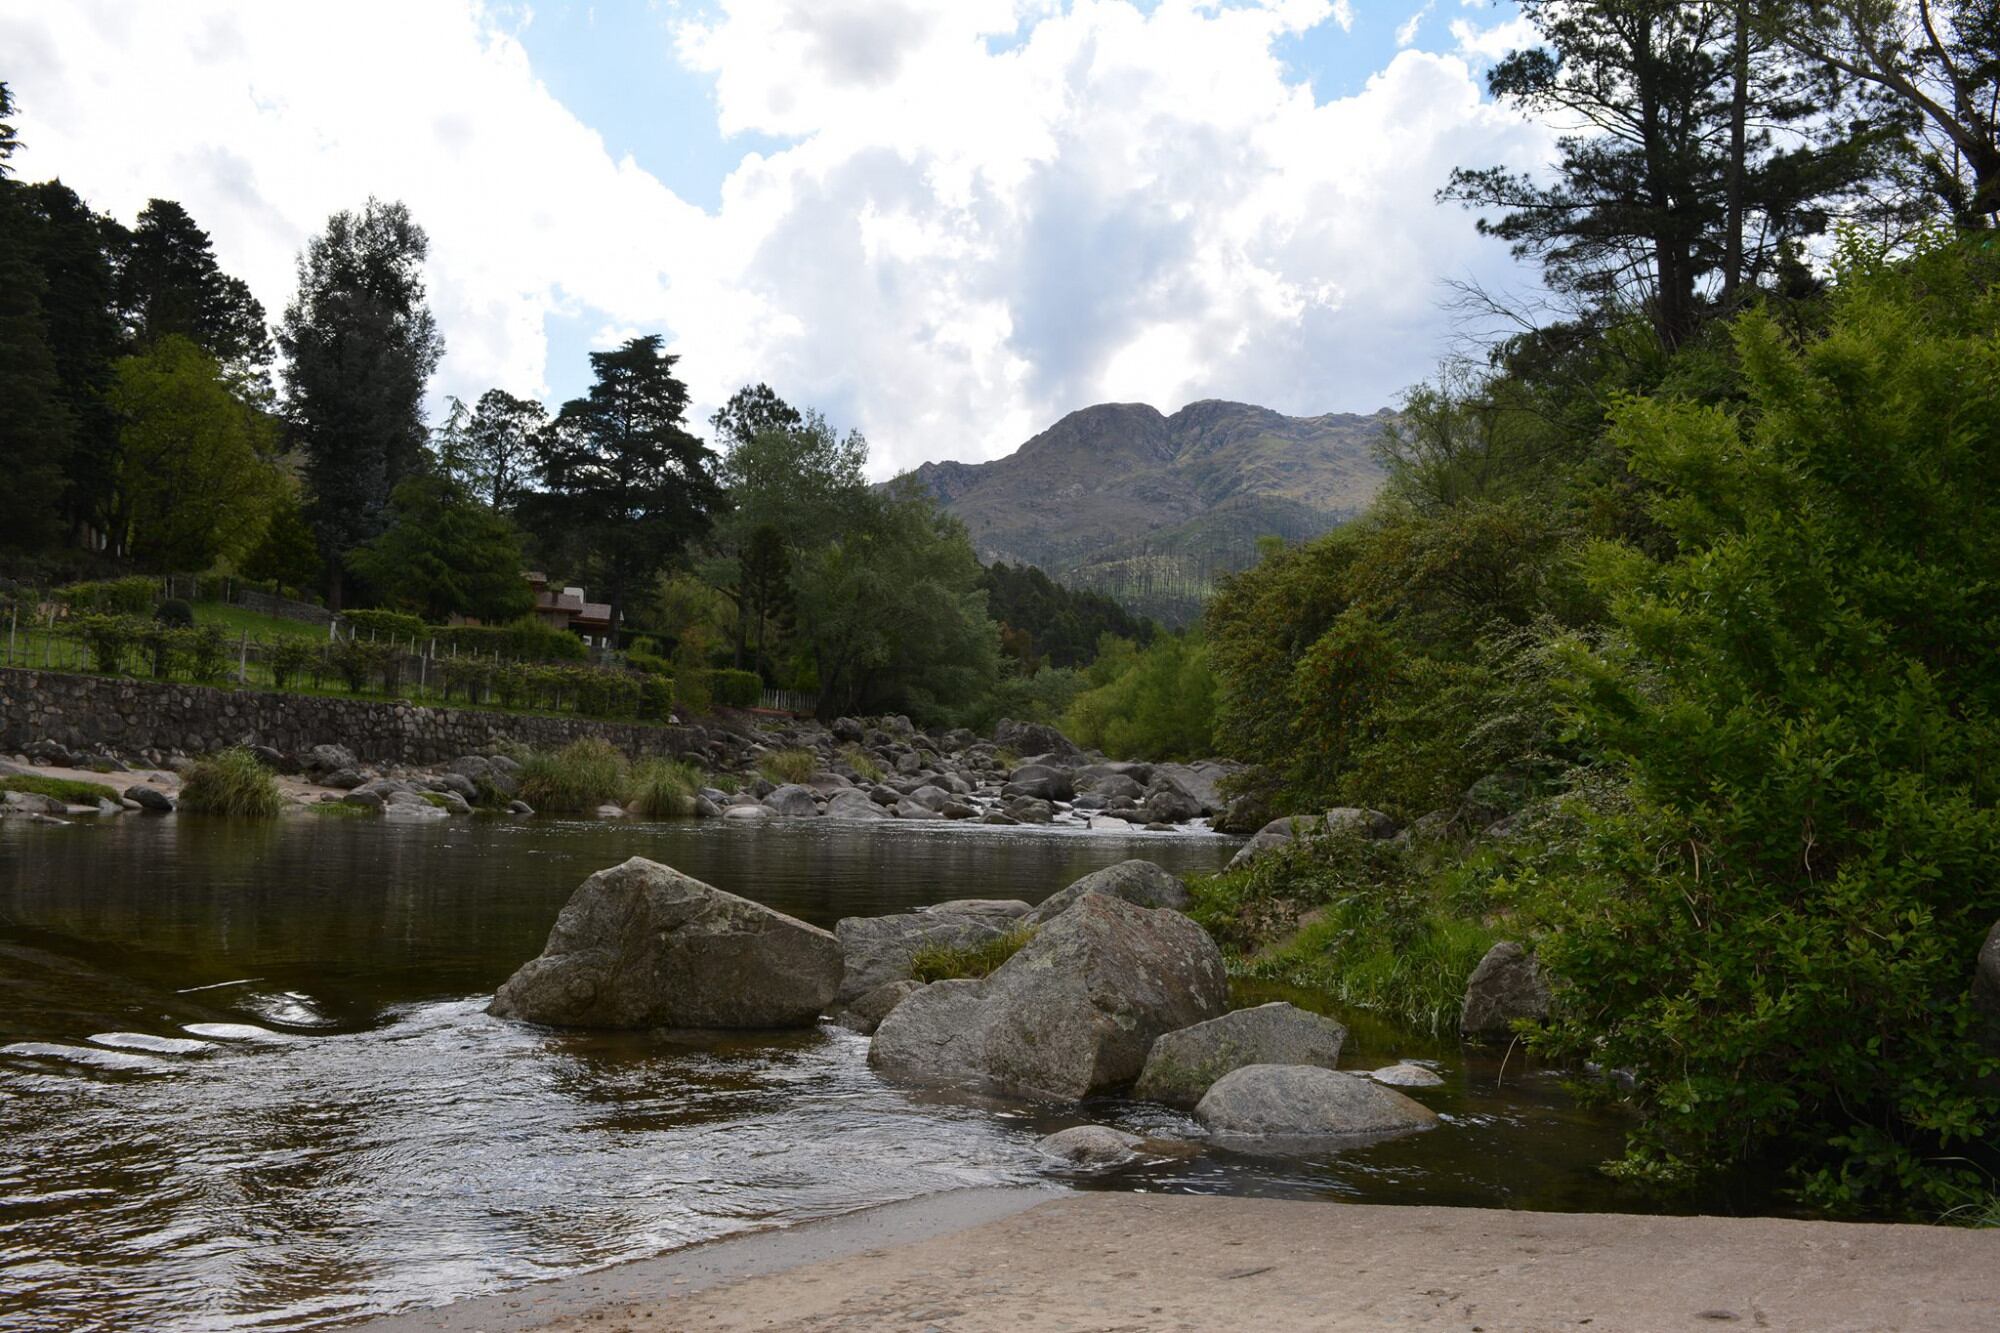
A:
1305,1101
1406,1076
1183,1065
1505,987
1090,1145
1071,1014
642,945
1141,883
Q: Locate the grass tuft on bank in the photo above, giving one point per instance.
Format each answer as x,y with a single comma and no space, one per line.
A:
575,779
664,788
783,766
943,962
231,782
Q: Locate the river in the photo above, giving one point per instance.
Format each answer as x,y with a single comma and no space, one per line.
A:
246,1079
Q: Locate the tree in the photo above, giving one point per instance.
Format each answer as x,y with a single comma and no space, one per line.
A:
491,448
792,482
1939,64
288,553
1699,154
620,469
195,477
892,611
360,346
36,429
443,554
9,141
77,251
751,411
171,284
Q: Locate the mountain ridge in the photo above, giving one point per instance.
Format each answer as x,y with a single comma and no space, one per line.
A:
1152,507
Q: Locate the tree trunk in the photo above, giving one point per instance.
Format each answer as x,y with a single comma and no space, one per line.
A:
1739,112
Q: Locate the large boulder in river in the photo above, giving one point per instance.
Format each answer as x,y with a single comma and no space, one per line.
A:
1046,782
641,945
1183,1065
1506,986
1071,1014
1140,883
1284,831
879,949
1032,738
1304,1101
853,803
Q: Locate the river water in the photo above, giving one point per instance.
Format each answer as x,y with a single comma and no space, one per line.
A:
246,1079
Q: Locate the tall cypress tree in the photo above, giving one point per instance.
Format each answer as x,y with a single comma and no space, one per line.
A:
36,430
171,284
360,345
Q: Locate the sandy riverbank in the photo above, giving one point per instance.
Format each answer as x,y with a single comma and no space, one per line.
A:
991,1259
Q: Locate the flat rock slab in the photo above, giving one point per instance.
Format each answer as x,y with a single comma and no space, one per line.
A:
1306,1102
641,945
1134,1261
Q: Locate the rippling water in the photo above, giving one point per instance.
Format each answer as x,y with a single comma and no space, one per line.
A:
246,1079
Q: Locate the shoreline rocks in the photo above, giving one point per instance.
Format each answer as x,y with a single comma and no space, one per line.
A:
1182,1066
1506,987
1306,1102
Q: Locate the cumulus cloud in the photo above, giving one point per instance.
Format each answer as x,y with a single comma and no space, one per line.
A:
1406,35
985,213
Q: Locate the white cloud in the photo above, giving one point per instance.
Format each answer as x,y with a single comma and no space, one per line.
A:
991,212
1406,34
1493,41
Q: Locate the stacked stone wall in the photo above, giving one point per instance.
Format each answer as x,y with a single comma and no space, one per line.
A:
126,716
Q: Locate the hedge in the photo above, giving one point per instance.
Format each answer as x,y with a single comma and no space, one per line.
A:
736,689
130,596
524,640
397,626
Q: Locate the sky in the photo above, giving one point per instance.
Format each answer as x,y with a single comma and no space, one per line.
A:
946,223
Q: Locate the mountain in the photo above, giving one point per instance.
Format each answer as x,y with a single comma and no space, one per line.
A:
1152,509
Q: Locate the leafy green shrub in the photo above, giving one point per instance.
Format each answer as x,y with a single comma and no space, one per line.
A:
72,791
526,639
174,612
132,596
287,657
656,697
664,787
1803,702
577,778
1366,921
206,653
231,782
736,689
467,677
782,766
393,626
651,663
359,661
943,962
692,687
109,639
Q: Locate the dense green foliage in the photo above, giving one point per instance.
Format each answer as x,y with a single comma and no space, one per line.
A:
1779,934
360,345
444,553
1156,702
575,779
1042,623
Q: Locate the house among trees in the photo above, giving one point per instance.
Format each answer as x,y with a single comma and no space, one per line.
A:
566,609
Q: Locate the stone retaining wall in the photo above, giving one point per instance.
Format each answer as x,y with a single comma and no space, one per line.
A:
125,715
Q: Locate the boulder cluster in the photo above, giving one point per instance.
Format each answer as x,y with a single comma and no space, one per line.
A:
1109,988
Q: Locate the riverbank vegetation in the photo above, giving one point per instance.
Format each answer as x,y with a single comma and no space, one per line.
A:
231,782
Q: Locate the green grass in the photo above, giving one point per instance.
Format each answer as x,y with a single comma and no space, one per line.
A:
231,782
661,788
1371,925
575,779
782,766
340,810
862,763
944,962
237,621
71,791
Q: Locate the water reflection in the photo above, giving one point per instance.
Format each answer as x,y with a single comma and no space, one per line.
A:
353,1134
